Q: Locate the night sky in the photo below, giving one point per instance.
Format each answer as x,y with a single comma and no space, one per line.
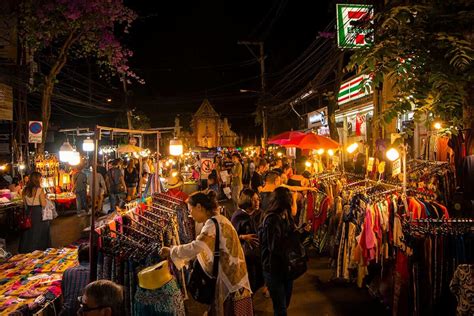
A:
187,50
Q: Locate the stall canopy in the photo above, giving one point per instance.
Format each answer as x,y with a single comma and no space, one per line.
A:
303,140
129,149
313,141
286,138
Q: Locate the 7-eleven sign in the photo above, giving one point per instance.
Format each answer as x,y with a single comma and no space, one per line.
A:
351,30
353,89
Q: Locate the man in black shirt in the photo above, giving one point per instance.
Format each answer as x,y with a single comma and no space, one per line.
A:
256,183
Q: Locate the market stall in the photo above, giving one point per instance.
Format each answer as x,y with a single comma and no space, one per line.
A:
30,282
55,182
397,246
136,233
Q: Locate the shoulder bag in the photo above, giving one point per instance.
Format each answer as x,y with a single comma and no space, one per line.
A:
200,285
24,219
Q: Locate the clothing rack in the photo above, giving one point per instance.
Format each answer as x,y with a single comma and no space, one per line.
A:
170,198
141,225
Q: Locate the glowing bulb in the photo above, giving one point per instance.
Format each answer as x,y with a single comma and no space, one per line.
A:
75,158
3,167
437,125
320,151
353,147
308,163
392,154
331,152
174,174
279,154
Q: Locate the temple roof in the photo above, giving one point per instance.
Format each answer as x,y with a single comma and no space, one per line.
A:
206,110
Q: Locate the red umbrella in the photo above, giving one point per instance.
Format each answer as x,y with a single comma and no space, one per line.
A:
314,141
286,137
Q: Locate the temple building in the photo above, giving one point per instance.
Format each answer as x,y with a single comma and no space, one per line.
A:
209,129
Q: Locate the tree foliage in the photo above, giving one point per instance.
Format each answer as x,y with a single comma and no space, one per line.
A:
425,50
58,30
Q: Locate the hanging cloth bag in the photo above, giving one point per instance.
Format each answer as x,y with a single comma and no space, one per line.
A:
49,211
200,285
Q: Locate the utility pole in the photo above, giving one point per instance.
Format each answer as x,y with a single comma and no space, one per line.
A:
261,60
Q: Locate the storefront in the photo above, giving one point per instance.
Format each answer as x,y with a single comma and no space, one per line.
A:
356,110
318,121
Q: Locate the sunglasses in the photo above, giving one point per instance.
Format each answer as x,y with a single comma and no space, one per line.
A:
83,308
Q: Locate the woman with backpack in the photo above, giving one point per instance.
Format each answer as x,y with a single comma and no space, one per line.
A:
283,256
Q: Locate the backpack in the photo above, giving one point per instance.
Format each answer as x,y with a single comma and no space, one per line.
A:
296,259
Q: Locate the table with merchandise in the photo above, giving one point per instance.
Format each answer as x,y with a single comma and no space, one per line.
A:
30,281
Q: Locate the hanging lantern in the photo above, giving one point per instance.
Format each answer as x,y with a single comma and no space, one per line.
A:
66,179
65,152
176,147
88,145
75,158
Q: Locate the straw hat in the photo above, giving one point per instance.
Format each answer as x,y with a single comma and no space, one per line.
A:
174,180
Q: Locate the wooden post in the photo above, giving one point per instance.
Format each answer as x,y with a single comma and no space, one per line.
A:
92,238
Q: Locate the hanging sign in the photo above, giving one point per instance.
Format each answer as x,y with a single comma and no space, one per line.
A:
317,118
35,132
396,167
351,31
354,89
370,164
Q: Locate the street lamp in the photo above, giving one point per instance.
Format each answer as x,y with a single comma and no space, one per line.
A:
65,152
88,145
75,158
437,125
392,155
176,147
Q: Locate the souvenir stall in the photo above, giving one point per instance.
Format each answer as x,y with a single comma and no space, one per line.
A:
55,182
128,247
31,283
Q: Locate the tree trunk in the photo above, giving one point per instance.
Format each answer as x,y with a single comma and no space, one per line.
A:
48,87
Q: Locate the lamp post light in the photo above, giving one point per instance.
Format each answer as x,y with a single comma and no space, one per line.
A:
176,149
392,155
88,145
75,158
65,152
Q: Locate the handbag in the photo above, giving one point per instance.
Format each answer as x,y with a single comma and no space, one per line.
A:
49,211
201,286
24,220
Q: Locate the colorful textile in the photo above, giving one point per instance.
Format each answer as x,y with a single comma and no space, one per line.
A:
166,300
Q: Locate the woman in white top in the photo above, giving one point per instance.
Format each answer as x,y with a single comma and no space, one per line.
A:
37,237
233,293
